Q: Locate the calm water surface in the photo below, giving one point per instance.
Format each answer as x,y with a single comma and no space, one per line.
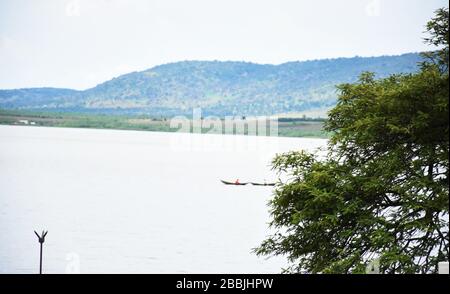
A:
135,202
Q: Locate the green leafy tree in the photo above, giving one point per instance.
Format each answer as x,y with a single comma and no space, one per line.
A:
381,188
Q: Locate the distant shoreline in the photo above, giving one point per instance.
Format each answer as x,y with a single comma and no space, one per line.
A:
287,127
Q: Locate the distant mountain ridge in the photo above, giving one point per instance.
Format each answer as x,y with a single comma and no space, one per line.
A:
219,87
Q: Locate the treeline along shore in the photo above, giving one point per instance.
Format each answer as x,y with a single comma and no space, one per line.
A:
287,126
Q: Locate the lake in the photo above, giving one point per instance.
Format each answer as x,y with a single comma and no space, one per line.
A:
135,202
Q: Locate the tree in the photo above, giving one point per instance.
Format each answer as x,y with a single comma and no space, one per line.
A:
381,189
438,31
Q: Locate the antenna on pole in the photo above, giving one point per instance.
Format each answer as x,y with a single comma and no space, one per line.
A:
41,241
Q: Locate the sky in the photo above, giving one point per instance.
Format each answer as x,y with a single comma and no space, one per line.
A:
80,43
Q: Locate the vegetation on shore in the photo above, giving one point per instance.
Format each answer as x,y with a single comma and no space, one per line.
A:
287,127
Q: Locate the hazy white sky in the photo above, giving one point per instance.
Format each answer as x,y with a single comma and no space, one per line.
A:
80,43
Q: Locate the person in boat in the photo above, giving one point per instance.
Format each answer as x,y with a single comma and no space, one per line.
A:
237,182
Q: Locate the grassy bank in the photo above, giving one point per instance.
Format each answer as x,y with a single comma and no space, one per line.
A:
287,127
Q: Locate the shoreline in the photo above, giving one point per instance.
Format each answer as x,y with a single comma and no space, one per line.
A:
159,132
286,127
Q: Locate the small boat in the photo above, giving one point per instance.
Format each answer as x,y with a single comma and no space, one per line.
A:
233,183
263,184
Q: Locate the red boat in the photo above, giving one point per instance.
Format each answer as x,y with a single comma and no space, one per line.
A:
236,183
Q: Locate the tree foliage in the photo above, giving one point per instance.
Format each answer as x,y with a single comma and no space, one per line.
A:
381,190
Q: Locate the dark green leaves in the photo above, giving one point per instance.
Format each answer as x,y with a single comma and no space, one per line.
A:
382,191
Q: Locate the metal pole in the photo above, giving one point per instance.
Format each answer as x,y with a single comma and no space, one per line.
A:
40,261
41,239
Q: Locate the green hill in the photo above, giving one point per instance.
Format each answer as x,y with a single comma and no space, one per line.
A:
219,88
